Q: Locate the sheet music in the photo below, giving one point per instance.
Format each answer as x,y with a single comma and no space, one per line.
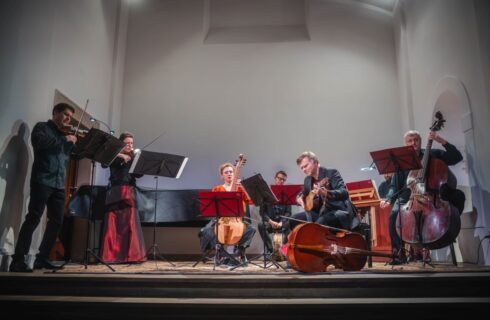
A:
182,167
135,161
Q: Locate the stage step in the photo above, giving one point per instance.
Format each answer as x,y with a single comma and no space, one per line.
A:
281,296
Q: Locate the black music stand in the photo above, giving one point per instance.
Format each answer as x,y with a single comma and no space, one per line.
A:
157,165
261,195
98,146
396,160
220,204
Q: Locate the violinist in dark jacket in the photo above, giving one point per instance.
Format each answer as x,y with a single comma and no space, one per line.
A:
52,150
399,194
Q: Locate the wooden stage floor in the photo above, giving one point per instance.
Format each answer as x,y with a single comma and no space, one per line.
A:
257,267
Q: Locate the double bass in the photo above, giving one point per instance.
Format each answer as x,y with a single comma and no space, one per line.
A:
313,247
230,230
427,219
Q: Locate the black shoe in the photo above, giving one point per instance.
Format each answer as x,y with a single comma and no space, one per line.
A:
243,260
45,264
19,266
395,262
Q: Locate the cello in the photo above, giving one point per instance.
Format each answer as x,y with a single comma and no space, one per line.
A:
427,219
230,230
313,247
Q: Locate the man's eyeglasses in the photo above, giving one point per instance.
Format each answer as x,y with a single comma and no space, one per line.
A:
281,178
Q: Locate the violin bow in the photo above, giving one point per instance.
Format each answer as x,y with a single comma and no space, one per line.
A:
328,227
81,117
153,140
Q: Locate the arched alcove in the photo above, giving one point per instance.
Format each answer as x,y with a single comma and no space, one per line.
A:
451,98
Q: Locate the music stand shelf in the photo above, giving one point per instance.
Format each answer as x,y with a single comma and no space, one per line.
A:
261,195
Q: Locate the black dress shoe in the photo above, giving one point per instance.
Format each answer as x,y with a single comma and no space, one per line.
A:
45,264
19,266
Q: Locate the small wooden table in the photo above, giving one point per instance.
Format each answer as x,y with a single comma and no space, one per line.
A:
364,196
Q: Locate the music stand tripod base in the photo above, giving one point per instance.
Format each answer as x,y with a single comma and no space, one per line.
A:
261,195
157,165
218,205
102,147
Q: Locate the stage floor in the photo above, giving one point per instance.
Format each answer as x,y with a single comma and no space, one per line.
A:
256,267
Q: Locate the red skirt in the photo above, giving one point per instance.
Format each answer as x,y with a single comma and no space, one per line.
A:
123,240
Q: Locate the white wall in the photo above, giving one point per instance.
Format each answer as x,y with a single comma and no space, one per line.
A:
336,94
443,61
54,44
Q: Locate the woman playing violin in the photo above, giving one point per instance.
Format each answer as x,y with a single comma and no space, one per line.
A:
123,238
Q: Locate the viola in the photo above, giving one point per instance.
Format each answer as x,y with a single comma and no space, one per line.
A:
313,247
427,219
230,230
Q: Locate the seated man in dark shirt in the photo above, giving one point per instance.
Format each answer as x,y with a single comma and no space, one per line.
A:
274,218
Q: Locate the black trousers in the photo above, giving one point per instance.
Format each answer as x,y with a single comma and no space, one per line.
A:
208,240
454,196
328,218
266,230
41,197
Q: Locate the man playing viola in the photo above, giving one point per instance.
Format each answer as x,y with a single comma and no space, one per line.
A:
207,236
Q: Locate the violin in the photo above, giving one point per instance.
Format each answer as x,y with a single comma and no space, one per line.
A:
68,130
313,247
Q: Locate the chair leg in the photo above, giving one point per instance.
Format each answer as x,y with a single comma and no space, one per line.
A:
453,254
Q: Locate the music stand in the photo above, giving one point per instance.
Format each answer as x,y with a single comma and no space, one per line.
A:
98,146
220,204
286,193
396,160
261,195
163,165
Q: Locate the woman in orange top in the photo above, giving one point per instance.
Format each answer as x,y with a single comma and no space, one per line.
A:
207,236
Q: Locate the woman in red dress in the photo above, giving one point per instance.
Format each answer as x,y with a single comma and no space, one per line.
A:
122,238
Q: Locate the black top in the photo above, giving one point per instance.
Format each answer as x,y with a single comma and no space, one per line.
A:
51,154
120,173
275,211
338,196
384,187
450,156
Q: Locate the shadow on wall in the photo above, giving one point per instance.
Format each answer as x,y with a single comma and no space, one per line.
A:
481,203
14,164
